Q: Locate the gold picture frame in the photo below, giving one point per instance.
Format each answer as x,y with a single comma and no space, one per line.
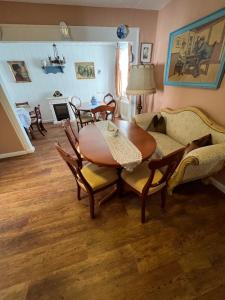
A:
19,71
85,70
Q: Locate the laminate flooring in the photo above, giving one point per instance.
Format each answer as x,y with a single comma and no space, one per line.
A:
50,249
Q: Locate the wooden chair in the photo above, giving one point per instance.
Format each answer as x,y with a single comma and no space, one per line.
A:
90,178
36,120
147,178
73,140
107,98
105,111
22,104
111,103
81,120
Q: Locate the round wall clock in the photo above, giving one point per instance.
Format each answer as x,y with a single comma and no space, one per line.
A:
122,31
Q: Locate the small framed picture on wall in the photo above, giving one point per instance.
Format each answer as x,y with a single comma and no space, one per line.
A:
19,71
146,53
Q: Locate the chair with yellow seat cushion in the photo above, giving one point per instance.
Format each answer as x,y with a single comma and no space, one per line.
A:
73,140
90,178
99,177
147,178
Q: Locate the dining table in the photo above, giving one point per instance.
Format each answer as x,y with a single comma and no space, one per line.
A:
88,106
24,117
94,148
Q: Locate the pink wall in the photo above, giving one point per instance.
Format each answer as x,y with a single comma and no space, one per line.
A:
48,14
175,15
8,137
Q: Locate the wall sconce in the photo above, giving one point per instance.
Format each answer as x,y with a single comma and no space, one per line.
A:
55,64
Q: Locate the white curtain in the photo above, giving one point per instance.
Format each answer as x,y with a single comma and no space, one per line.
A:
121,76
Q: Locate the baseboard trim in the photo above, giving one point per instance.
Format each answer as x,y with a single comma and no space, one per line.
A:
218,184
17,153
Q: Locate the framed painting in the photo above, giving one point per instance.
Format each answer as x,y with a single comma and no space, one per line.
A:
85,70
196,53
146,53
19,71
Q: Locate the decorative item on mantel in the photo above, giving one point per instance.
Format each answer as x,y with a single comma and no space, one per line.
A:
57,94
55,65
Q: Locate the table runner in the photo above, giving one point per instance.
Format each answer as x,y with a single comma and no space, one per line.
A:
121,148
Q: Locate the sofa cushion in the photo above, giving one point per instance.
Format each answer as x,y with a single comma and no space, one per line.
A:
158,124
202,142
165,144
143,120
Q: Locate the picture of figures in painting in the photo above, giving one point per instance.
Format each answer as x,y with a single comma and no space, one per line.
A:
197,54
85,70
19,70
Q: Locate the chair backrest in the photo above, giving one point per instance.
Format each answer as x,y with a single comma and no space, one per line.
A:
38,112
76,101
73,165
23,104
73,139
75,111
107,98
111,103
104,110
168,163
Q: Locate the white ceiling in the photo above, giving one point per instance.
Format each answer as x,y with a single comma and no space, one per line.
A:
136,4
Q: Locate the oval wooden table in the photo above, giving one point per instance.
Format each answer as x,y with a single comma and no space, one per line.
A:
88,106
95,149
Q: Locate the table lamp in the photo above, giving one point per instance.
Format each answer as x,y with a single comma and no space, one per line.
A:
141,82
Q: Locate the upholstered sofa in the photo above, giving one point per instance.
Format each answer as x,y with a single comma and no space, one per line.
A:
182,127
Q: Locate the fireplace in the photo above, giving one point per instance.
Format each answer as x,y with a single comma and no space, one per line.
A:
61,111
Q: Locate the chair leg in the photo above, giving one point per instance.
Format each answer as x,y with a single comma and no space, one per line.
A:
31,132
119,183
78,192
92,206
39,129
78,128
163,198
42,127
142,198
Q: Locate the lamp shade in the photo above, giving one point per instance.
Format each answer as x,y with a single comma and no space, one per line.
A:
141,80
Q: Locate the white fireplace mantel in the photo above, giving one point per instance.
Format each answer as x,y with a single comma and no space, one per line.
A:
60,100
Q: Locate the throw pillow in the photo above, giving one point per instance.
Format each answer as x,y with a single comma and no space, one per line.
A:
201,142
158,124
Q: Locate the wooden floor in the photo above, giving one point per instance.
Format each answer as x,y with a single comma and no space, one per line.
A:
51,250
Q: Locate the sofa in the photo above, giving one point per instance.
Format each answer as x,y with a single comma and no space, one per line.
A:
182,127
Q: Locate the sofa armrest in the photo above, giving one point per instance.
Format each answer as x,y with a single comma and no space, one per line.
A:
143,120
198,163
208,154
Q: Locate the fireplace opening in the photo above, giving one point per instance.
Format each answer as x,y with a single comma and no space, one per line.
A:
61,111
